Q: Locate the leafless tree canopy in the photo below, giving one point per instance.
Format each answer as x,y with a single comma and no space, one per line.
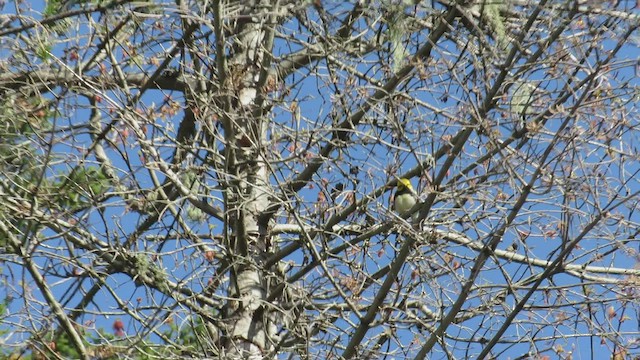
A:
214,179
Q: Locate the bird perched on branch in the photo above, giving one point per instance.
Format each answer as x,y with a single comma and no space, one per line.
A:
405,198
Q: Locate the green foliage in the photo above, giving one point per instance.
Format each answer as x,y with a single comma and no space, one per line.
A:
496,22
522,98
81,187
104,345
53,7
65,347
4,306
19,118
189,337
43,52
196,215
22,119
100,345
190,179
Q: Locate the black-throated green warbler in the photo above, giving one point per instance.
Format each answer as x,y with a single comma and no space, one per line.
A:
405,198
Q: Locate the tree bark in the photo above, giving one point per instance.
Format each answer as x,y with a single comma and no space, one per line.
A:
248,184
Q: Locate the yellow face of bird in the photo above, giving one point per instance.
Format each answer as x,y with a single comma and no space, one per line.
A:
404,184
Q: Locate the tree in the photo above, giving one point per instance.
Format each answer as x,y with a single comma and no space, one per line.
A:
213,179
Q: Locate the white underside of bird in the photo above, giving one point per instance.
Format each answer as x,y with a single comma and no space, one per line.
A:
404,203
405,198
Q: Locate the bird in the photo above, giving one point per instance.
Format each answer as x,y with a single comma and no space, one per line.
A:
405,198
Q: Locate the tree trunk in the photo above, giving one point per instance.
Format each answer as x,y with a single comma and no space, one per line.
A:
248,185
